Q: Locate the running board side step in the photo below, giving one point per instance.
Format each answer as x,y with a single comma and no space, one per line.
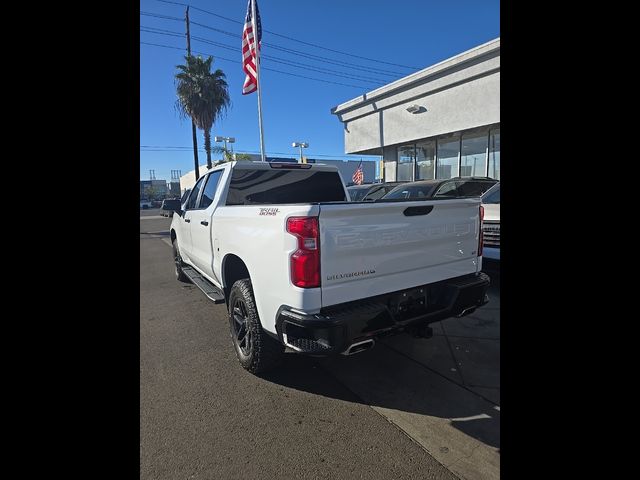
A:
212,292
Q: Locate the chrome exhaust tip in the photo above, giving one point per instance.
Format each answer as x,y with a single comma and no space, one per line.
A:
467,311
358,347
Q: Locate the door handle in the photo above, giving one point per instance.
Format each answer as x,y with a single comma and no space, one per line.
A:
187,220
204,222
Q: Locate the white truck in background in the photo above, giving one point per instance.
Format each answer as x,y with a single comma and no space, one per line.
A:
301,267
491,223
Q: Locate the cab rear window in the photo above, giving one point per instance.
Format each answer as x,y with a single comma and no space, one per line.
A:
281,186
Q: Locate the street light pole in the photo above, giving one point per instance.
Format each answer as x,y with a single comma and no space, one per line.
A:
225,140
301,145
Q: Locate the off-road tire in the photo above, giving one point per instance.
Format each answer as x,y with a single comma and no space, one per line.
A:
180,275
257,352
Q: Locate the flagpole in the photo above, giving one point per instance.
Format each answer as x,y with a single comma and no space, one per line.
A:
254,26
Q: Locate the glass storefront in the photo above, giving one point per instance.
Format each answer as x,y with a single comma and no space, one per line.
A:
470,154
494,154
390,171
473,161
448,152
406,161
425,160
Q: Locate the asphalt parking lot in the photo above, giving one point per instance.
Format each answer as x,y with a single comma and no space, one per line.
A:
408,408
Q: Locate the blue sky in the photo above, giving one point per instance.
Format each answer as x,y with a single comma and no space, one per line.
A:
413,33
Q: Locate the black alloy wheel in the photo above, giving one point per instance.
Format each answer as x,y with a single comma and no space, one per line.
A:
177,260
256,350
240,327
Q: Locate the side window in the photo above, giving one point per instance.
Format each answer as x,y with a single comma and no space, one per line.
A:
191,203
210,189
473,189
185,195
375,193
447,190
493,197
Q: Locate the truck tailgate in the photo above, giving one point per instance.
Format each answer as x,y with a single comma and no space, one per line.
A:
371,249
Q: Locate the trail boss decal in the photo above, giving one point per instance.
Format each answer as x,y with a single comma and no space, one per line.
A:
269,211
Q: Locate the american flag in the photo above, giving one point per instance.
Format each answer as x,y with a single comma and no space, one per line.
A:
249,51
358,175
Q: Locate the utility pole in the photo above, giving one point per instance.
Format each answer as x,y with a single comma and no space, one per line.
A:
193,125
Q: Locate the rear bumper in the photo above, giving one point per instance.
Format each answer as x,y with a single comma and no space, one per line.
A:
336,327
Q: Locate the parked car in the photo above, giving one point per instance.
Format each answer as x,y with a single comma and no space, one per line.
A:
145,204
491,224
356,192
451,187
372,191
184,197
300,267
169,205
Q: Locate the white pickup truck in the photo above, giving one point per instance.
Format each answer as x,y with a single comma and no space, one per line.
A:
301,267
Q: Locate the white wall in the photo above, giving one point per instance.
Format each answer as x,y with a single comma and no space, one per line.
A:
458,94
188,180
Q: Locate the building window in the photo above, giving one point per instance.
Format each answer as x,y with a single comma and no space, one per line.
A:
406,161
389,171
494,154
425,160
448,153
474,155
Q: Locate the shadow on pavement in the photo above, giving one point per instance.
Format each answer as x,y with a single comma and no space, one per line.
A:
408,382
160,234
304,373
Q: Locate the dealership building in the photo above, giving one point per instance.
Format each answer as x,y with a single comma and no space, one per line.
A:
440,122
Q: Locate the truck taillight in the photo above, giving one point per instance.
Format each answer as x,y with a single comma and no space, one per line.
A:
305,261
481,238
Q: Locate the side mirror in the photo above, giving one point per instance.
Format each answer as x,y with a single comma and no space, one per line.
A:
172,205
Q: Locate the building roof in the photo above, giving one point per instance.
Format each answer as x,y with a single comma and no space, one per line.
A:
419,77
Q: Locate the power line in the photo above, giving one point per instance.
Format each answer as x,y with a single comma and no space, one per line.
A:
217,57
297,64
304,66
231,34
268,57
311,56
157,15
202,10
200,53
339,63
166,32
177,19
304,54
291,38
322,70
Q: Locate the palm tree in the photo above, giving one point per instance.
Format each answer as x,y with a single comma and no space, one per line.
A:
229,156
202,95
